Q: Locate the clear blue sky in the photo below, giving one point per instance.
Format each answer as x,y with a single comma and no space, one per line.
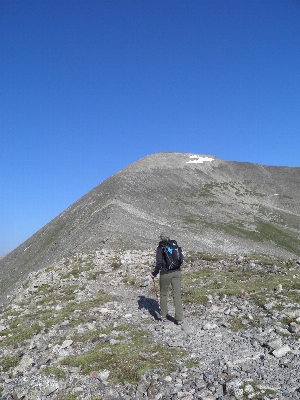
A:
88,87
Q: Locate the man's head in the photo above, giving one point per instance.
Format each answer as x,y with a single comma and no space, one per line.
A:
164,236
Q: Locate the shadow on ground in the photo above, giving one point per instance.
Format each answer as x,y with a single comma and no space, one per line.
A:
152,307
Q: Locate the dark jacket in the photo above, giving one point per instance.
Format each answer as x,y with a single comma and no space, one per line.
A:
160,258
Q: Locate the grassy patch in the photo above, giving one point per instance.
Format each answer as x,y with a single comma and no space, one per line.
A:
26,327
282,237
210,257
237,323
129,358
50,317
20,332
93,275
261,259
198,285
96,333
78,268
198,255
88,336
192,363
8,362
56,372
116,262
131,281
255,391
76,396
45,289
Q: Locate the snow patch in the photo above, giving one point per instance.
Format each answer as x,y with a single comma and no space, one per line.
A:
199,159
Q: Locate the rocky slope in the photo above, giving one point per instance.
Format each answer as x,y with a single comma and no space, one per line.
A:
88,328
204,202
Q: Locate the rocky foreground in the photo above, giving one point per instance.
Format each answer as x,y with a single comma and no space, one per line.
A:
88,328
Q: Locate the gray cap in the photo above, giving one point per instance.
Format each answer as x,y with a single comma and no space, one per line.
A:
164,235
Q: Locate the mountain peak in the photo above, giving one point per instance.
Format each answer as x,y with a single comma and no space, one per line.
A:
204,202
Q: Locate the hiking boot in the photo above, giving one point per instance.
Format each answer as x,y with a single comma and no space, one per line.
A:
163,319
179,322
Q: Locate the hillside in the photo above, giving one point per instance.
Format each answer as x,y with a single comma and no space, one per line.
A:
88,328
205,203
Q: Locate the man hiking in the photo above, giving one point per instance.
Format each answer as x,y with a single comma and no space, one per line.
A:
169,258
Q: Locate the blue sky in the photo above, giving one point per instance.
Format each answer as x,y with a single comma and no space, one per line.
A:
88,87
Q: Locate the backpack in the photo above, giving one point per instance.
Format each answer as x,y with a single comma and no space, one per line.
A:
173,255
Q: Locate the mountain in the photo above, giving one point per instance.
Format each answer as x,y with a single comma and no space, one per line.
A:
205,203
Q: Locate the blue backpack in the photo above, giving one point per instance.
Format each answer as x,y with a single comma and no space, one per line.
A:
173,255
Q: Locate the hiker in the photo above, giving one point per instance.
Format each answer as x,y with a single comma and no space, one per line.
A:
169,274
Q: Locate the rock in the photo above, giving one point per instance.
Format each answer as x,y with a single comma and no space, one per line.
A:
209,326
90,326
66,343
223,298
281,351
25,362
294,327
279,288
248,389
233,388
219,363
49,390
282,331
103,375
269,306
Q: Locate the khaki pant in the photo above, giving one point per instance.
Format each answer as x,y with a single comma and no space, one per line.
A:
173,278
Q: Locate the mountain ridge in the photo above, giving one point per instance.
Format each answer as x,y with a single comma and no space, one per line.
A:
214,205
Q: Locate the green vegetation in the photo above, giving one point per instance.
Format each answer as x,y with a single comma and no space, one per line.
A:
116,262
198,285
78,268
129,357
260,259
237,323
278,227
131,281
255,391
93,275
258,284
19,332
280,236
76,396
264,232
215,189
56,372
71,397
192,363
198,255
25,327
8,362
53,238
